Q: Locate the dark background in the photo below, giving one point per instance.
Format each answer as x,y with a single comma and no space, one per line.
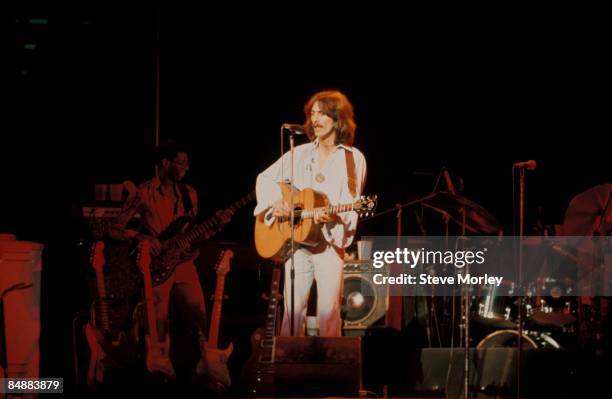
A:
80,109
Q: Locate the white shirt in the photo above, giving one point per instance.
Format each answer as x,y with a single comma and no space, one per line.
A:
334,186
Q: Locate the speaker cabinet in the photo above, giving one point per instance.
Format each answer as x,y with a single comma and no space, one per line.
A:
364,303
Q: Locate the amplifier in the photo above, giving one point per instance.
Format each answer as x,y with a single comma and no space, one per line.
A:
363,302
101,212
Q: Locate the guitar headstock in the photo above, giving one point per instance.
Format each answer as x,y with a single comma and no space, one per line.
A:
223,265
366,205
97,255
143,259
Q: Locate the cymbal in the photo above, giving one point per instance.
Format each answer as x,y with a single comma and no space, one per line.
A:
477,219
584,213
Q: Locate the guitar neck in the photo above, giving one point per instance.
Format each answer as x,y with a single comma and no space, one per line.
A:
270,327
215,322
209,227
102,306
331,209
150,304
97,261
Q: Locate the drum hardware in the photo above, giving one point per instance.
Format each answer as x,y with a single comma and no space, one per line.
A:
542,309
496,307
509,338
488,314
472,218
520,167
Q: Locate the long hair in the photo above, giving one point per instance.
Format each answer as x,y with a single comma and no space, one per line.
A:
335,105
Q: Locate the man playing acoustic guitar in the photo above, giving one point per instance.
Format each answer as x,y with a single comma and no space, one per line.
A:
331,166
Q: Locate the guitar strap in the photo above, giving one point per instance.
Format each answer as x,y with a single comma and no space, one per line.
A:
187,204
350,172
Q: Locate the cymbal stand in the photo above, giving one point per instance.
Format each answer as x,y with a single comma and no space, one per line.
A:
433,314
520,281
465,304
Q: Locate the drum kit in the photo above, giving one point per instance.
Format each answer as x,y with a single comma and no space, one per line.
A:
546,311
535,309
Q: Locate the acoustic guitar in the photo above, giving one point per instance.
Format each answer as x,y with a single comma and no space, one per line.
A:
273,235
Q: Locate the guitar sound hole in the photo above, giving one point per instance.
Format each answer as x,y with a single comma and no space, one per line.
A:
297,215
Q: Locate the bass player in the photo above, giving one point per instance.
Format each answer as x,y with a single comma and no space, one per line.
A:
160,201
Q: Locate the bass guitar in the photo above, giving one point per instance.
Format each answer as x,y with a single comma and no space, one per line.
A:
177,238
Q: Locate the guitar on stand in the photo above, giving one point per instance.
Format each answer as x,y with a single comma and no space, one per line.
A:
157,352
258,372
214,360
108,348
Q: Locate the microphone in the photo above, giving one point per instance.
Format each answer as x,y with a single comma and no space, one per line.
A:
294,128
529,165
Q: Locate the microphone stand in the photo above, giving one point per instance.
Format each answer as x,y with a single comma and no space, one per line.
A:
291,224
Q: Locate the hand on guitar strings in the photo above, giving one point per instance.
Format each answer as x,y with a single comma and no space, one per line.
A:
281,209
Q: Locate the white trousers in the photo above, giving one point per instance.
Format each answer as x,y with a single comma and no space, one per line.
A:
327,268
